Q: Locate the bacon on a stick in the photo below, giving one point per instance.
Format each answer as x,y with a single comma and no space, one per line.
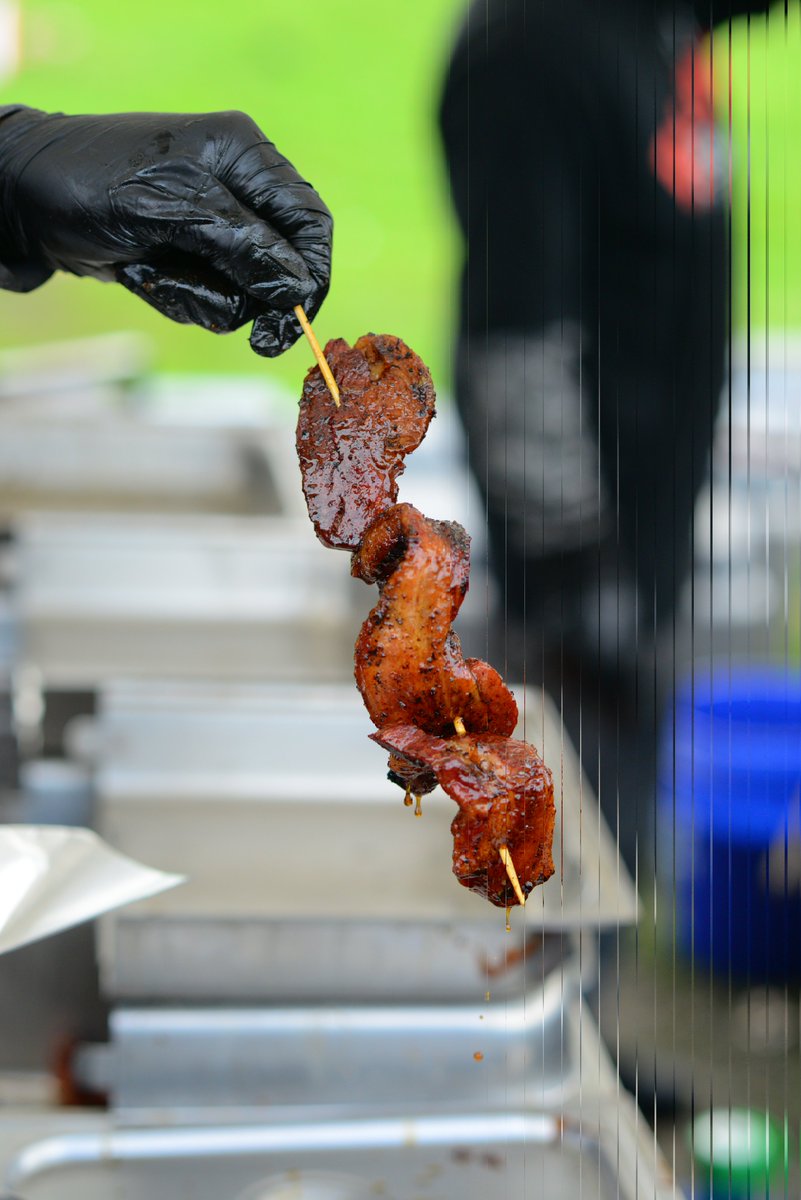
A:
505,797
444,718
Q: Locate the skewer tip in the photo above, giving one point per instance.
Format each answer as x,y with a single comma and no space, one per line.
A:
506,859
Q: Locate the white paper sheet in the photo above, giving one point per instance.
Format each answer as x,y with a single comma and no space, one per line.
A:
53,876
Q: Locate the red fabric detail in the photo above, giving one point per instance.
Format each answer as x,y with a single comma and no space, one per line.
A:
683,146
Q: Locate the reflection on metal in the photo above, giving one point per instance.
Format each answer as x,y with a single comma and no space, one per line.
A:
475,1155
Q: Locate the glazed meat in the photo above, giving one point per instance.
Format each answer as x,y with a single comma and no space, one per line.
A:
351,456
409,663
505,797
442,717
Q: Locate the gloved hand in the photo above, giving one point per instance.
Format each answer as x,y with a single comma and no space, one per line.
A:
199,215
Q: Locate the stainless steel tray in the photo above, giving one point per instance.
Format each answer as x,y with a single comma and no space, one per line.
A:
574,1133
275,804
166,957
101,596
147,579
485,1155
513,1052
80,429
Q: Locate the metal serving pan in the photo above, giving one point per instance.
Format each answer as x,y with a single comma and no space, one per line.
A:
471,1157
307,876
164,957
99,596
480,1156
573,1133
82,429
172,593
498,1051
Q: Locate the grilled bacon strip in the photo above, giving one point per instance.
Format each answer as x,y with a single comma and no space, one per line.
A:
409,663
351,456
505,797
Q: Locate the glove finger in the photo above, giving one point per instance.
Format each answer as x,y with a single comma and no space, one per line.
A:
185,208
273,333
191,297
269,185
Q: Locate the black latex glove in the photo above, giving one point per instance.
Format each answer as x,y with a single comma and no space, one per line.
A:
199,215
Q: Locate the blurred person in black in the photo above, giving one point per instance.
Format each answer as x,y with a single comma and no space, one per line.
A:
589,182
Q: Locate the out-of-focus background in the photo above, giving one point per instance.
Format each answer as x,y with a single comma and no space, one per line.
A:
175,672
348,92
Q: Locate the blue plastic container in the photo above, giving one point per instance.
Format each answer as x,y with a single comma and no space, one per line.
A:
730,821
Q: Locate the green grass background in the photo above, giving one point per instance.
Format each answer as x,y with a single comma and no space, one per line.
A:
347,89
759,87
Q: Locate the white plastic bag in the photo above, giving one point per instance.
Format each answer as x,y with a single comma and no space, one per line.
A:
53,876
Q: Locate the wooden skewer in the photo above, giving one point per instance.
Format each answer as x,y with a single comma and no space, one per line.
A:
318,354
506,859
458,725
